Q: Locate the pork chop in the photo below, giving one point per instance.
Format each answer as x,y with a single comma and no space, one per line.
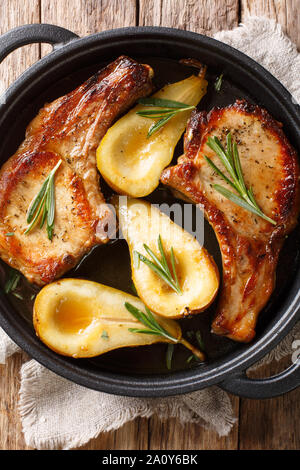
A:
249,244
70,128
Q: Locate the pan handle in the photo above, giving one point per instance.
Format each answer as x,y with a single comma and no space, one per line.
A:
270,387
31,33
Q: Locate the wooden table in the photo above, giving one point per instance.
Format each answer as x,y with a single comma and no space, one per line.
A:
269,424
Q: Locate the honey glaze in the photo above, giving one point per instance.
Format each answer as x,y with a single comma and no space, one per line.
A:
73,316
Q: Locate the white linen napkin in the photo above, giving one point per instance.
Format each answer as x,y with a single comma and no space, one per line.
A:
45,397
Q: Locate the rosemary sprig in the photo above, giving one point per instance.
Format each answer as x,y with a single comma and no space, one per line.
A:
160,266
154,328
42,206
231,161
168,109
218,83
12,281
147,319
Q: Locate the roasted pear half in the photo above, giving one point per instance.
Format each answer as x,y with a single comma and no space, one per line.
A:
147,230
81,318
129,160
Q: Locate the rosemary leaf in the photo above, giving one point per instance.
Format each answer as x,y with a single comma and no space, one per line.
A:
136,259
50,203
9,234
218,171
155,259
174,268
154,112
37,215
151,318
17,295
139,315
50,209
235,198
163,256
162,274
238,168
251,196
216,146
241,202
144,332
169,355
190,358
36,201
152,325
12,282
218,83
43,216
200,340
162,113
162,103
50,232
157,125
133,289
158,116
229,147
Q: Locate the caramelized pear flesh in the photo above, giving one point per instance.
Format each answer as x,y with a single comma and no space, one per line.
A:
131,162
142,223
81,318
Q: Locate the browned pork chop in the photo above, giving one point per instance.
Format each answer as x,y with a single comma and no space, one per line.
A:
70,128
249,245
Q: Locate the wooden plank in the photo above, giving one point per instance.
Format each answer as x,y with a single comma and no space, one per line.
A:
285,12
171,435
131,436
14,13
89,16
274,423
85,17
202,16
11,436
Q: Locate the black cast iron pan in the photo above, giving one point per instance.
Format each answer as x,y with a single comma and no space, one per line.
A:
126,372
